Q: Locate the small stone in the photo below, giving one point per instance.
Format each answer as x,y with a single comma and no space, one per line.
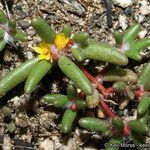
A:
142,34
11,127
7,145
6,111
23,24
139,17
145,7
30,32
29,55
21,120
128,11
123,22
123,4
46,145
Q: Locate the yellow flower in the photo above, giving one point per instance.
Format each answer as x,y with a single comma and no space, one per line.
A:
61,41
43,49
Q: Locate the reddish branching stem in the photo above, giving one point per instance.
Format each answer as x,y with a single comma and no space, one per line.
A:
105,91
110,90
95,81
109,113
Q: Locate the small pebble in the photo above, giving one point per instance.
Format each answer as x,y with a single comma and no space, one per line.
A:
123,22
23,24
139,17
145,7
123,3
142,34
128,11
46,145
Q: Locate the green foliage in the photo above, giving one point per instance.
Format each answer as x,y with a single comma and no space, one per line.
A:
117,122
138,127
45,32
115,74
144,104
38,71
119,86
70,59
67,31
67,121
16,76
104,52
144,78
9,32
95,124
72,71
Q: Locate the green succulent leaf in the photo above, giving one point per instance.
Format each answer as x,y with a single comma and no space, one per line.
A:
77,54
57,100
38,71
136,47
119,86
2,32
66,30
117,122
68,120
81,37
2,45
138,127
131,95
144,78
118,37
20,35
131,33
104,52
60,101
16,76
12,26
45,32
144,104
3,17
94,124
71,91
144,118
119,74
72,71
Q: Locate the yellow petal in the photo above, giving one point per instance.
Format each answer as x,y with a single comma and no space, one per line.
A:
37,49
42,48
47,57
40,57
61,41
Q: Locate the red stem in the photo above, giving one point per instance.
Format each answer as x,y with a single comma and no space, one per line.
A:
110,90
98,85
109,113
82,95
127,131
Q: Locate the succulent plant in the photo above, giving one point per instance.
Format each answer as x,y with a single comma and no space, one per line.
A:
69,51
9,32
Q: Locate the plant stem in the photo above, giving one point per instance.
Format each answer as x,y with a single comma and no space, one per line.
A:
94,80
109,113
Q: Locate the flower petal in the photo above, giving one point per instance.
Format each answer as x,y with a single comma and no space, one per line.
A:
40,57
37,49
61,41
